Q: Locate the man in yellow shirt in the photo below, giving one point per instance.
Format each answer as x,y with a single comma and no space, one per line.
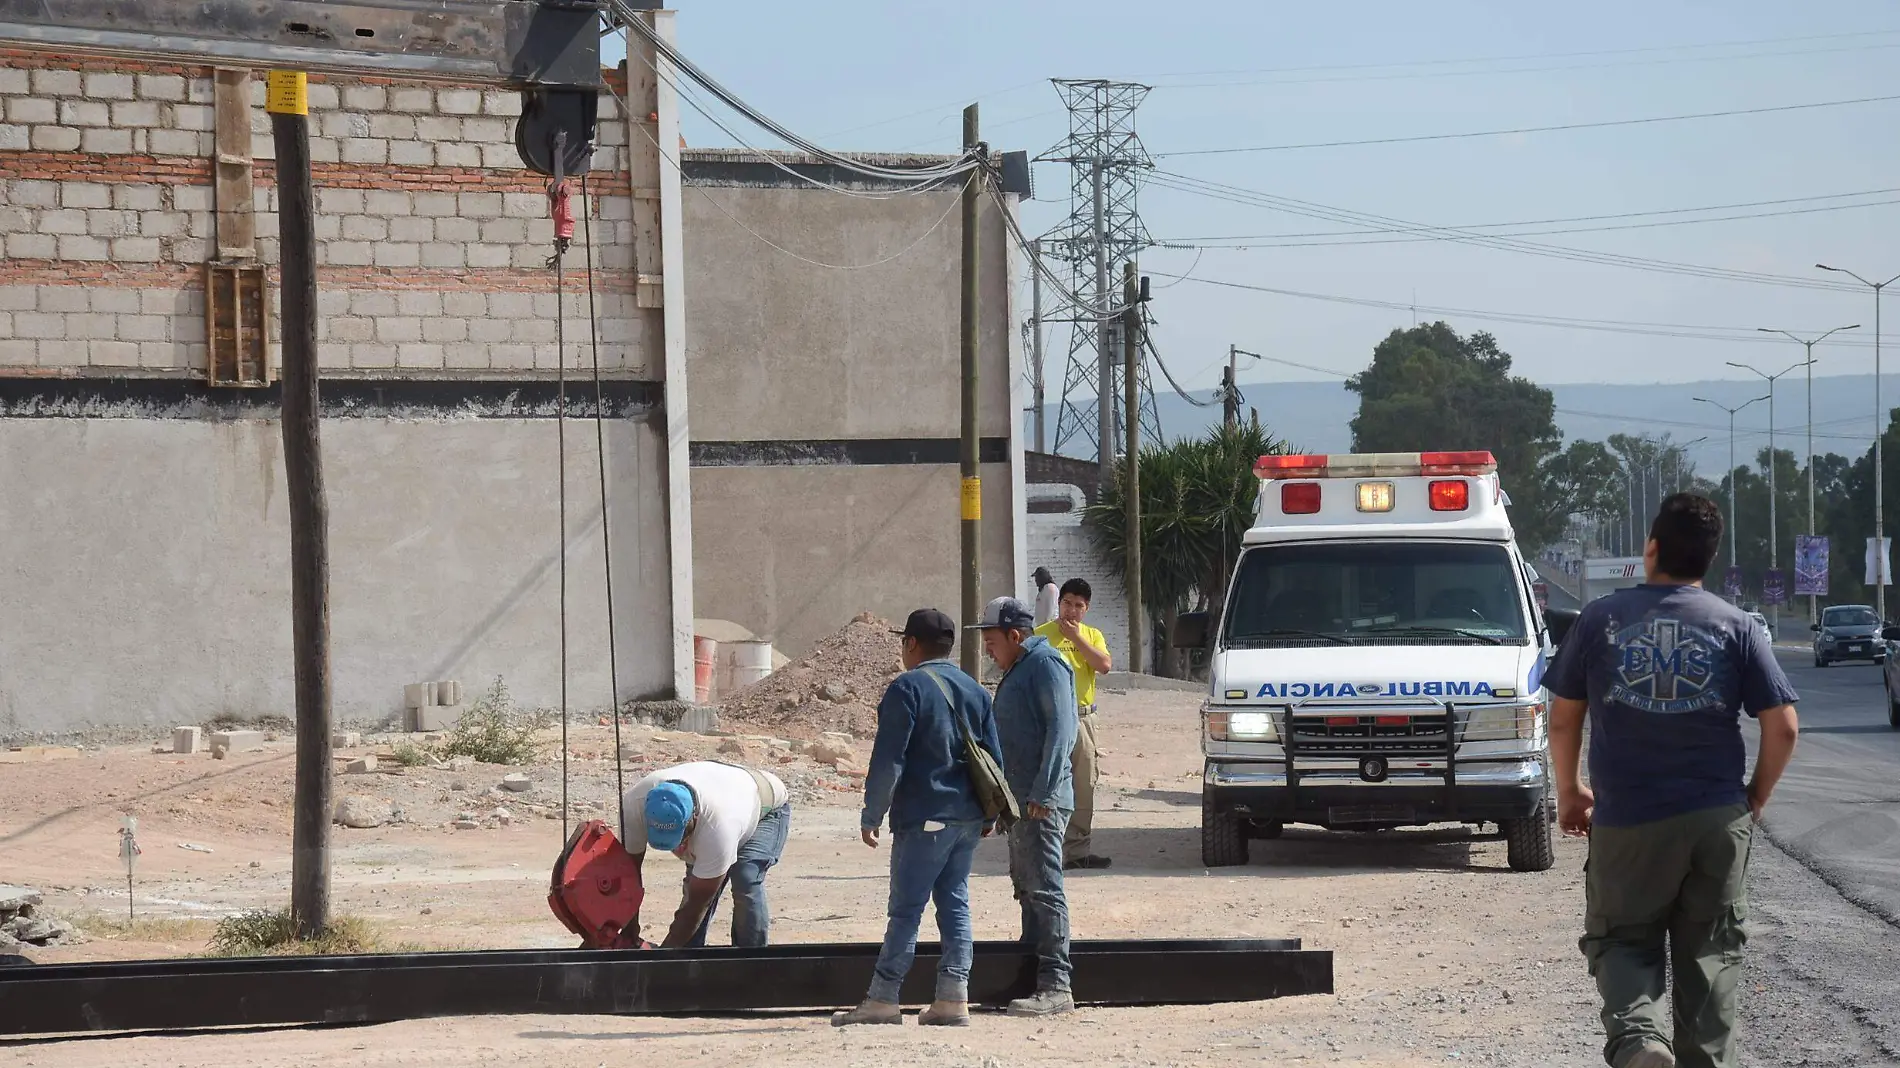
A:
1087,652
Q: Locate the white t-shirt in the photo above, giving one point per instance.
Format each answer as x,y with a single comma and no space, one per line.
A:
726,804
1046,599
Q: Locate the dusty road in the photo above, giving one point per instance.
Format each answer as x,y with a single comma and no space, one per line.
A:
1444,957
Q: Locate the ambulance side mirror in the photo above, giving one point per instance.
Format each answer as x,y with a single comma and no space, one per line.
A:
1559,620
1190,630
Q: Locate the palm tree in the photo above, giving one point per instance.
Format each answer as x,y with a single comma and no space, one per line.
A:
1198,499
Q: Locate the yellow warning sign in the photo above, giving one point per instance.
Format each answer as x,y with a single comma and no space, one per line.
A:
287,92
973,498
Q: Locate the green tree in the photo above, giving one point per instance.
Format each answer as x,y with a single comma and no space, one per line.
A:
1430,389
1583,480
1198,499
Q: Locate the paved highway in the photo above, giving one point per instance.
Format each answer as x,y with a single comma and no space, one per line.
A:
1838,809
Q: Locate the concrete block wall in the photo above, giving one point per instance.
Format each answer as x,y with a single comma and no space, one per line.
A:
433,240
1060,542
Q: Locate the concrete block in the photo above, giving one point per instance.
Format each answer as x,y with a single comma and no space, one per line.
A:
432,718
418,695
457,154
56,83
411,100
411,154
489,255
55,139
501,157
170,87
135,113
345,740
106,142
397,255
187,740
237,741
459,101
194,117
14,81
107,86
362,765
15,138
700,719
481,205
364,150
32,111
487,131
365,98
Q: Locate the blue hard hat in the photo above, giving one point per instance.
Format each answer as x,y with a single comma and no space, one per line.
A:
669,807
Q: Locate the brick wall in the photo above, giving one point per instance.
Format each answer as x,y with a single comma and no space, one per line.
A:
1060,542
1054,469
433,240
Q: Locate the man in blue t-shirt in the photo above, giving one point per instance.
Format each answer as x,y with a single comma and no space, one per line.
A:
1663,671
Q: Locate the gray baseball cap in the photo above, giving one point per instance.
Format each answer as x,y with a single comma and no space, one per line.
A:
1005,613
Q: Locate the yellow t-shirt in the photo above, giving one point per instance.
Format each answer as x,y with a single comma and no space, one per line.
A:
1084,674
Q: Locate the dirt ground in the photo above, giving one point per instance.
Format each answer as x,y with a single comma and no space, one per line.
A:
1443,956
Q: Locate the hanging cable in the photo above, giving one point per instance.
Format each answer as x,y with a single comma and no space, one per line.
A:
606,528
1147,341
560,208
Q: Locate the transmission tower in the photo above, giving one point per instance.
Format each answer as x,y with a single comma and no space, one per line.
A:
1103,230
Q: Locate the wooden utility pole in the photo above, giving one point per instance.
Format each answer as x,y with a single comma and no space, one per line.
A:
1230,393
972,488
1035,340
287,101
1131,403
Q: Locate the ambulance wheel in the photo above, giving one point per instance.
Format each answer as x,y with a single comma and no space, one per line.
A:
1223,836
1528,844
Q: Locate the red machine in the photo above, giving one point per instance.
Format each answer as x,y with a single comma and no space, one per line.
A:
596,889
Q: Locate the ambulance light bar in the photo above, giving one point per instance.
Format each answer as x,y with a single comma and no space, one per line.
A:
1375,464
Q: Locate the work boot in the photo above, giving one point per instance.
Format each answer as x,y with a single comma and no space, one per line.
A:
871,1012
1043,1003
945,1014
1650,1054
1088,863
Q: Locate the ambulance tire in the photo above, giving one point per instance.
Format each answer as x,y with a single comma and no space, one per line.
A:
1528,844
1223,836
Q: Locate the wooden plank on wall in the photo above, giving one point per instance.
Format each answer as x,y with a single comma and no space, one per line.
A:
235,196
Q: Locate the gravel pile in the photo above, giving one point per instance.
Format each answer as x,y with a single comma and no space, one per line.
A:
835,687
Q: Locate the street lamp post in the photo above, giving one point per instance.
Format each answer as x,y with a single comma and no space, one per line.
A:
1681,453
1814,600
1774,531
1734,496
1880,427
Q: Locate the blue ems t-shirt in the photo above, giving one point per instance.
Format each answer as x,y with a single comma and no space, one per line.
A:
1665,670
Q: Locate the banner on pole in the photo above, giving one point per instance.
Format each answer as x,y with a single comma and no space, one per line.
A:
1774,588
1879,568
1732,582
1810,565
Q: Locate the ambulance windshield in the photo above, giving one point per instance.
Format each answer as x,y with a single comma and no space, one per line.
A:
1376,593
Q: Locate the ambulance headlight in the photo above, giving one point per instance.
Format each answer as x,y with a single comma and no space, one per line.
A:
1498,723
1225,726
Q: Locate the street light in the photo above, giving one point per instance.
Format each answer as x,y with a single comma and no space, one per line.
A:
1814,600
1774,532
1880,427
1734,512
1681,451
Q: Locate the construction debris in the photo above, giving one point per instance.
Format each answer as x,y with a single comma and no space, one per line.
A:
835,687
21,922
363,812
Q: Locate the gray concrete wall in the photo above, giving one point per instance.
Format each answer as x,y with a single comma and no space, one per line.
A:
146,581
826,399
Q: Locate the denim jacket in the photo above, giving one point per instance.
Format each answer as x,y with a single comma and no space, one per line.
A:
917,771
1035,716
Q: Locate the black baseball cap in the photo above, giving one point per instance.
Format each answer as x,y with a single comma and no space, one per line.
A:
928,624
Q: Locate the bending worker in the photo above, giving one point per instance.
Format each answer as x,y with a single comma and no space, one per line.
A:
728,823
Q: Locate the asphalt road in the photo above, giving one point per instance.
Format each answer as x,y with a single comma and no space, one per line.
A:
1824,889
1837,810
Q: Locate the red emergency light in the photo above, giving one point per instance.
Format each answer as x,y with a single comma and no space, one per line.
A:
1299,498
1457,463
1290,467
1450,495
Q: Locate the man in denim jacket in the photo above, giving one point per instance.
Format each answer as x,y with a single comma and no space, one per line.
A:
919,776
1035,716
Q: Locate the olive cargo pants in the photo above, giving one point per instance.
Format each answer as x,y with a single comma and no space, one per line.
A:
1682,879
1079,841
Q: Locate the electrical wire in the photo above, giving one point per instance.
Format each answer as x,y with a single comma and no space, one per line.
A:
1603,124
1148,342
768,242
632,18
606,526
1614,326
1083,308
1370,237
1309,209
685,93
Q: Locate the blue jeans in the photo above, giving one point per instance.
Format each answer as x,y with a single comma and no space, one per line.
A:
925,865
751,919
1035,870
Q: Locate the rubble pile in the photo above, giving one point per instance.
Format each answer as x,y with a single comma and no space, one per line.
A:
834,688
21,922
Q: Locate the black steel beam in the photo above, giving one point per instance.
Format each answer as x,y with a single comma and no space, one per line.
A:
489,42
378,988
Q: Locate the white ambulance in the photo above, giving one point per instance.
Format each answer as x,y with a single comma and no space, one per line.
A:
1379,660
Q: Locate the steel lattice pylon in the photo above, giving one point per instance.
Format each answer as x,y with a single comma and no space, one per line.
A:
1102,140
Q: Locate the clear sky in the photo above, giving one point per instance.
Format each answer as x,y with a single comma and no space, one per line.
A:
858,74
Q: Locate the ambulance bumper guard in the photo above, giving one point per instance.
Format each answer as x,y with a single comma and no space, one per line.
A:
376,988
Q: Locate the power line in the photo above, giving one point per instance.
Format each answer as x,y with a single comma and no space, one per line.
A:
1615,326
1309,209
1414,75
1604,124
1533,56
1369,237
1147,341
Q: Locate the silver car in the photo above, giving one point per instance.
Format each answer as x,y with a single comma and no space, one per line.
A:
1848,632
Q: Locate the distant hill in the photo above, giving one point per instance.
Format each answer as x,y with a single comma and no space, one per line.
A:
1316,415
